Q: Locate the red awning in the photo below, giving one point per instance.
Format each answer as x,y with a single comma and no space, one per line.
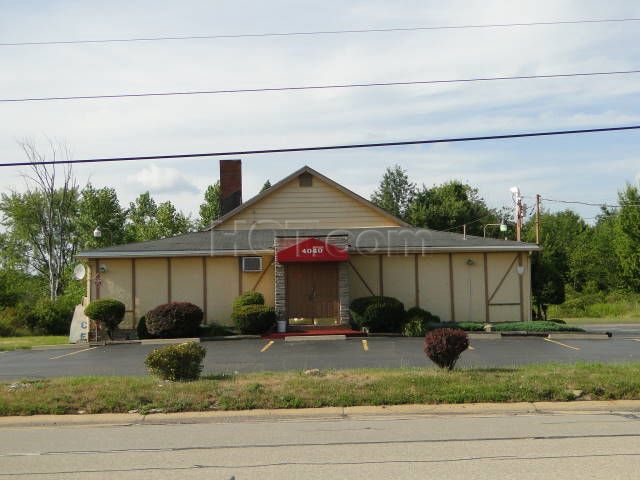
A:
312,250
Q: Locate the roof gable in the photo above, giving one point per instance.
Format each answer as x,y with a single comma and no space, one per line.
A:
294,204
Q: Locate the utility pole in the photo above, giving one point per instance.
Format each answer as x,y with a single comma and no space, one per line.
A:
519,212
538,218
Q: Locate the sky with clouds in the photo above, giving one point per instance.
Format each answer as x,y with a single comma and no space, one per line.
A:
586,167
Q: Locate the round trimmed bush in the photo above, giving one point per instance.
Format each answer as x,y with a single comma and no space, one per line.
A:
177,362
254,319
445,345
174,320
359,306
108,311
422,314
248,298
383,317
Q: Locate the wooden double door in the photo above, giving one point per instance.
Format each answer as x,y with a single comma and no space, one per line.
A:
312,293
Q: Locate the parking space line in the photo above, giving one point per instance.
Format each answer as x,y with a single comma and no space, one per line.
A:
561,344
365,345
72,353
267,346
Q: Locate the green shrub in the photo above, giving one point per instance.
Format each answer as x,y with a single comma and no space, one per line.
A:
215,330
445,345
539,326
422,314
254,319
177,362
417,321
359,306
383,317
109,312
174,320
248,298
52,317
6,329
141,329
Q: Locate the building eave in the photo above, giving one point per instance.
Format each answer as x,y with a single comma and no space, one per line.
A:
180,253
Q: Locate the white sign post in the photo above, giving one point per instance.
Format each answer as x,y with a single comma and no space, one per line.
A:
79,332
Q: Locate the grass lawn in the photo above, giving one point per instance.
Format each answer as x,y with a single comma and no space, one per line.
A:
602,321
329,388
15,343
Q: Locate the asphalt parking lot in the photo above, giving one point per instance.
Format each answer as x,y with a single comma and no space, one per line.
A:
263,355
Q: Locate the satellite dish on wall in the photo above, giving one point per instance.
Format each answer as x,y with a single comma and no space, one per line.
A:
79,271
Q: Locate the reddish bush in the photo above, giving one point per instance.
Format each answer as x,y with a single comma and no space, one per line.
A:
445,345
174,320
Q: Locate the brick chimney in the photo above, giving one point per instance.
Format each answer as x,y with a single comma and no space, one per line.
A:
230,185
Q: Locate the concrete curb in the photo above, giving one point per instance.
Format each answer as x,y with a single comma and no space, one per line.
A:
230,337
63,346
168,341
313,338
521,408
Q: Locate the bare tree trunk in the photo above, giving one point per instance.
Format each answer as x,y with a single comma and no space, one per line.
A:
54,243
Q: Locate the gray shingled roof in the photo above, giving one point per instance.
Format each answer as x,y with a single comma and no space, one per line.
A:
361,240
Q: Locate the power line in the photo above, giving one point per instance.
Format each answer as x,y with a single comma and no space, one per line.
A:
330,147
589,204
318,87
316,32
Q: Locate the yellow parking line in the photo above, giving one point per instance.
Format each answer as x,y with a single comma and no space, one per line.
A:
266,347
365,345
72,353
562,344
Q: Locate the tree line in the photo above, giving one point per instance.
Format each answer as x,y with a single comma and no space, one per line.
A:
577,257
45,225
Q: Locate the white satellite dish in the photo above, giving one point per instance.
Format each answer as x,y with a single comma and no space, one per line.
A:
79,271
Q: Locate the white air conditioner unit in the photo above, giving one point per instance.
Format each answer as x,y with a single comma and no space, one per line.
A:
251,264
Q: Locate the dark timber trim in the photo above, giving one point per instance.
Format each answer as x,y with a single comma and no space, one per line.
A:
486,288
168,279
451,289
133,293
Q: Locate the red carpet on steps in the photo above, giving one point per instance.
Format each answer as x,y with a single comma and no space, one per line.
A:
315,331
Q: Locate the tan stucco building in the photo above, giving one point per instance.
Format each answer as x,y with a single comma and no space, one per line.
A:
310,245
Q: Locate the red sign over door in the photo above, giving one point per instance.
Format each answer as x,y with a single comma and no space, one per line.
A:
312,250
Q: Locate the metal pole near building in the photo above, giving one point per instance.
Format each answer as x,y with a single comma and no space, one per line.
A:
517,198
538,218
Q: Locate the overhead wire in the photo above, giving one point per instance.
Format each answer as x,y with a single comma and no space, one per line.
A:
317,87
316,32
331,147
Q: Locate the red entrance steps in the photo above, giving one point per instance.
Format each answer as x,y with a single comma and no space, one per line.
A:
315,331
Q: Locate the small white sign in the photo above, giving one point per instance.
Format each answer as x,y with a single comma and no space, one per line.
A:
79,332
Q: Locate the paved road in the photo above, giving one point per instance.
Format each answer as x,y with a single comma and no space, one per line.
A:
585,446
247,355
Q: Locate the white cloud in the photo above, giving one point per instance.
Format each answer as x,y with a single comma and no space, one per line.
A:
577,166
162,180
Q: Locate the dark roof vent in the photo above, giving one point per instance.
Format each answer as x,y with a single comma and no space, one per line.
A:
306,179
